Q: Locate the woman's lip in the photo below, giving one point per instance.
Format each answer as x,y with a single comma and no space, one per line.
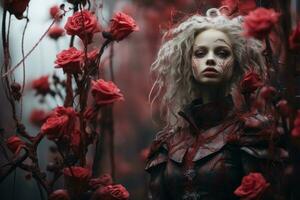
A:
210,74
210,69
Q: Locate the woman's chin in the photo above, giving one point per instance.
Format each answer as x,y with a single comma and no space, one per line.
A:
210,81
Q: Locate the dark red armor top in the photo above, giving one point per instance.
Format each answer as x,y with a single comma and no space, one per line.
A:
208,159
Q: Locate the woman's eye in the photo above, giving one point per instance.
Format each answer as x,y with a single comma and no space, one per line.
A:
223,53
200,53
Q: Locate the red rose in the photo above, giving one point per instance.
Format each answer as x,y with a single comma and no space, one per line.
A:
111,192
296,130
250,82
70,60
61,122
14,143
259,23
55,12
267,92
294,39
297,122
243,7
16,7
252,186
105,92
283,108
38,117
103,180
59,195
121,25
76,179
56,32
83,24
41,85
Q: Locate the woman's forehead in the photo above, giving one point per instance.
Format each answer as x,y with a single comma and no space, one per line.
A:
211,37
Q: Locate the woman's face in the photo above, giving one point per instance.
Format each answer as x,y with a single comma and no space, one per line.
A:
212,57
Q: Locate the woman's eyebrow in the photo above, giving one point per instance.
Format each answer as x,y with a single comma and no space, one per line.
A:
221,40
199,46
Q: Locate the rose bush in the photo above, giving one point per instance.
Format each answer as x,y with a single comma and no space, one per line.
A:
105,92
70,60
252,187
83,24
121,25
259,23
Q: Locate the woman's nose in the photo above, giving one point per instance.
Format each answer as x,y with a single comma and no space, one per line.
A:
210,62
210,59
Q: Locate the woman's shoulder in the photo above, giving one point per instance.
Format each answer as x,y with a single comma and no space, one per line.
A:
165,141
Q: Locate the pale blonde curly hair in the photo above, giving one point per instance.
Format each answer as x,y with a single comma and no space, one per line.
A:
174,84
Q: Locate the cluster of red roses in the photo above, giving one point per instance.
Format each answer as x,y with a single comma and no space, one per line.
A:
78,181
65,125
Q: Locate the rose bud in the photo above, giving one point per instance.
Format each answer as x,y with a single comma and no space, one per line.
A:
59,195
294,39
56,32
15,144
283,108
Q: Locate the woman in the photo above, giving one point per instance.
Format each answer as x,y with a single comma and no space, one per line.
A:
210,140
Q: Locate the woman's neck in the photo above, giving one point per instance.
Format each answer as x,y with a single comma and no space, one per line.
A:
211,93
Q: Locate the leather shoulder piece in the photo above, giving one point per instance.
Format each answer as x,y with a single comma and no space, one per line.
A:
158,150
278,154
157,159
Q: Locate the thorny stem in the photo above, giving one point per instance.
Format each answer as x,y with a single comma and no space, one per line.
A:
14,164
33,48
23,55
69,92
110,116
